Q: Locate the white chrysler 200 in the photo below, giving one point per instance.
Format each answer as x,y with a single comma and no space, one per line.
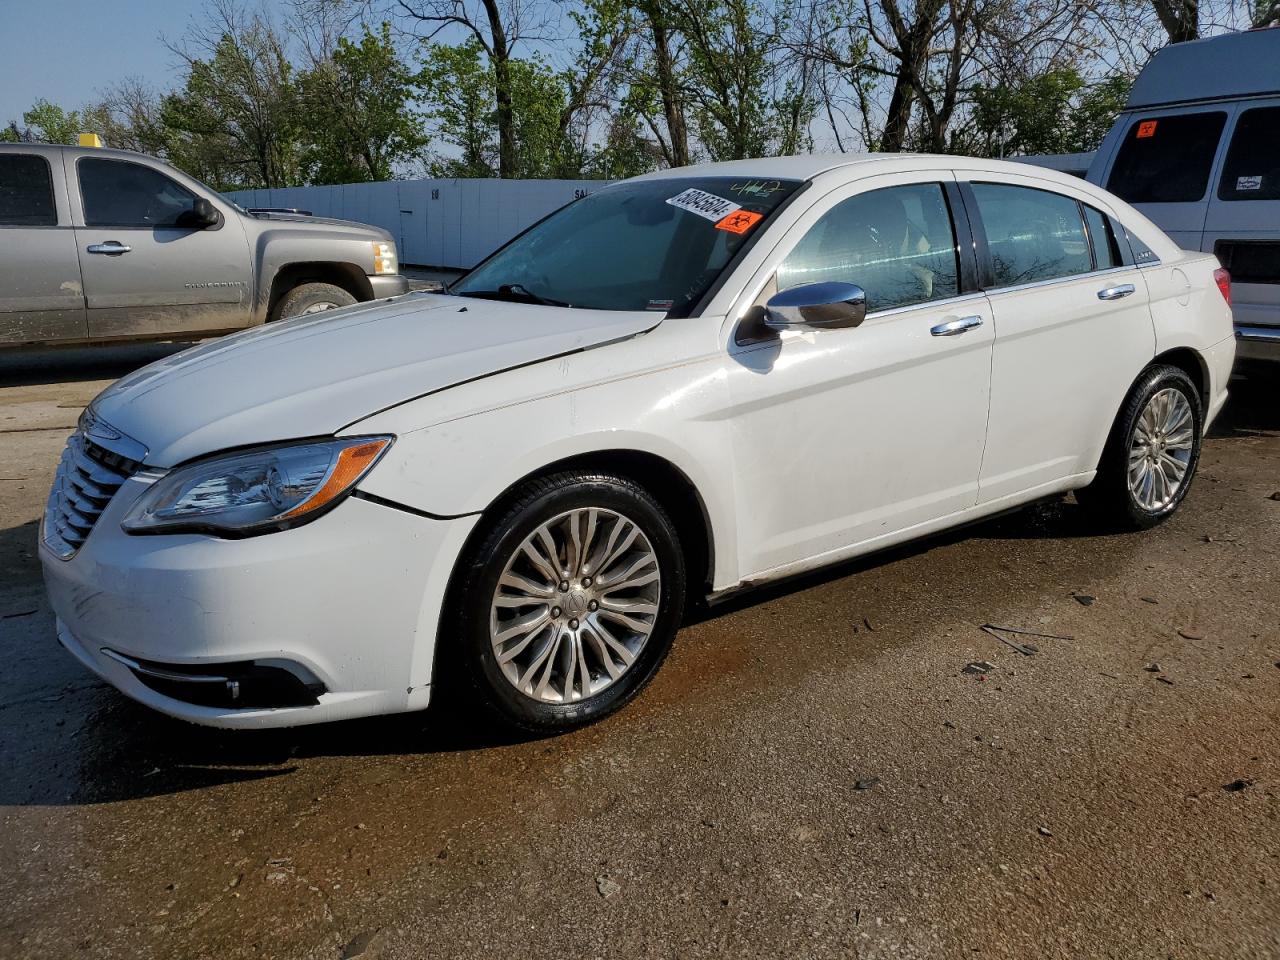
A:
680,385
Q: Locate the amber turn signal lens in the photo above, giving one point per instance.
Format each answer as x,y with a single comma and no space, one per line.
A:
351,466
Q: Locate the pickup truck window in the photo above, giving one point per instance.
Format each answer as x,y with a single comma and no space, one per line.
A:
1252,170
26,191
1167,159
118,193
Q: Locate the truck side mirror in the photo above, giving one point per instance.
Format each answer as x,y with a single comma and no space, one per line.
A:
203,215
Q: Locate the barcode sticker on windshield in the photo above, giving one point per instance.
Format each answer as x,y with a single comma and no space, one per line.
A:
704,204
1249,183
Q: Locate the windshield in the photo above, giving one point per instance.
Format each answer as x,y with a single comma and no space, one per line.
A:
642,245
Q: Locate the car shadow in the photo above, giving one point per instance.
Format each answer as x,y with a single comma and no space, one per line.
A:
1251,410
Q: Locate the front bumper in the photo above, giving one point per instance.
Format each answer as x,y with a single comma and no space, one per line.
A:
1257,343
348,604
389,285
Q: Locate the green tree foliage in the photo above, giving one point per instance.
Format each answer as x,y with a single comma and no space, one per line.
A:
1056,111
47,122
236,122
358,118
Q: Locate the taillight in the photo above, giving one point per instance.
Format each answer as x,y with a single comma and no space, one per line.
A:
1223,278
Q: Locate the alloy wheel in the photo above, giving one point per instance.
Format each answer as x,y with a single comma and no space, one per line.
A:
575,605
1161,450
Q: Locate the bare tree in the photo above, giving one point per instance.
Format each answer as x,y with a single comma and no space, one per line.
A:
498,26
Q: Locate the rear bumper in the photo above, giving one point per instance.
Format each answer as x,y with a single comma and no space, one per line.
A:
1257,343
389,286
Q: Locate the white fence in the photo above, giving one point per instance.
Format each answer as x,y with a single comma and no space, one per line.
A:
438,223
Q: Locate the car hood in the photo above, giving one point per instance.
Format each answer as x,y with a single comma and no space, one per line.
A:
314,375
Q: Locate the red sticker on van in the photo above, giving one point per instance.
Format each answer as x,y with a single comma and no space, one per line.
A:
1147,128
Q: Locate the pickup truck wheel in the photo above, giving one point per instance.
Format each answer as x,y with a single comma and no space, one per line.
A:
1152,453
312,298
568,601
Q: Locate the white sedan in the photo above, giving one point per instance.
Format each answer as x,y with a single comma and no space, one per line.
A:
679,386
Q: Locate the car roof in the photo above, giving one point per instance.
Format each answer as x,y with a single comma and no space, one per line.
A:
854,165
1232,65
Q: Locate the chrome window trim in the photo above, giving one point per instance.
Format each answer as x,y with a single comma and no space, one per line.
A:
1071,278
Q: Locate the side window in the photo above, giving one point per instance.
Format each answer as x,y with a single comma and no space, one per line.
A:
26,191
1167,159
896,243
118,193
1033,234
1252,170
1105,252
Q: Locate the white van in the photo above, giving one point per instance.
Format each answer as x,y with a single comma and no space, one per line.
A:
1197,149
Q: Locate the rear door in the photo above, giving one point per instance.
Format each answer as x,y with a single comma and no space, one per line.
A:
147,271
1243,224
40,296
1073,326
1164,164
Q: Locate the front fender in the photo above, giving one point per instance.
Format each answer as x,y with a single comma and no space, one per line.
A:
461,464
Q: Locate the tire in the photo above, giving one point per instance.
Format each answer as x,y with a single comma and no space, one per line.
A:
1163,394
312,298
512,668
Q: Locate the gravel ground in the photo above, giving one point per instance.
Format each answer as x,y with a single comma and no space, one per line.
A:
813,773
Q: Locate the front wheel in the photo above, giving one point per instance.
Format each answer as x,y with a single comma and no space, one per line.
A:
1152,453
308,298
568,601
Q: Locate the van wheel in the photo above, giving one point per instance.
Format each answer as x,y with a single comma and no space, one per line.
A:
568,601
1151,456
312,298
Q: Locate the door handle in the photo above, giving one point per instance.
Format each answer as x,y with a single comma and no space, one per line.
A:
1116,293
953,328
111,248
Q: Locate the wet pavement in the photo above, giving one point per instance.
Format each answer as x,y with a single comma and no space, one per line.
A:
812,774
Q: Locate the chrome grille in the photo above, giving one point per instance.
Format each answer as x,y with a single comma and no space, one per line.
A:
87,478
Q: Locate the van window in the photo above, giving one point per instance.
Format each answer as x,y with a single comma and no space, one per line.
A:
1033,234
896,243
1167,159
26,191
1252,170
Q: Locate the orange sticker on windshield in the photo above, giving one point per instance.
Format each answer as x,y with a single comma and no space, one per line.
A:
740,221
1147,128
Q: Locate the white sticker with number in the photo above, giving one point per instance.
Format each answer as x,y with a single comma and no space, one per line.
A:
1249,183
704,204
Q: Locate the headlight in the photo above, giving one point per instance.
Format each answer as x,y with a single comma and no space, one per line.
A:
255,491
384,258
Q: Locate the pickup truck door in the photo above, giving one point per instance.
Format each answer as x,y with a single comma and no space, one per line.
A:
40,298
146,270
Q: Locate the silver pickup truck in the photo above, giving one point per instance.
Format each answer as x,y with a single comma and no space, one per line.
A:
104,245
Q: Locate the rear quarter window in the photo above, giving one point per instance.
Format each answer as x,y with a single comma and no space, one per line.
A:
1167,159
26,191
1252,169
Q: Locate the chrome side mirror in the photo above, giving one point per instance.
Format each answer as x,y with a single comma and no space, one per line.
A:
818,305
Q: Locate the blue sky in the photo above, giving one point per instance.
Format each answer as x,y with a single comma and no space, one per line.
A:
68,50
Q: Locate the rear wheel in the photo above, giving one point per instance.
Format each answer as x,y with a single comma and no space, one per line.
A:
308,298
569,601
1152,453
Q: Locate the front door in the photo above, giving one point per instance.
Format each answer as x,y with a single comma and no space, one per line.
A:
147,271
848,436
